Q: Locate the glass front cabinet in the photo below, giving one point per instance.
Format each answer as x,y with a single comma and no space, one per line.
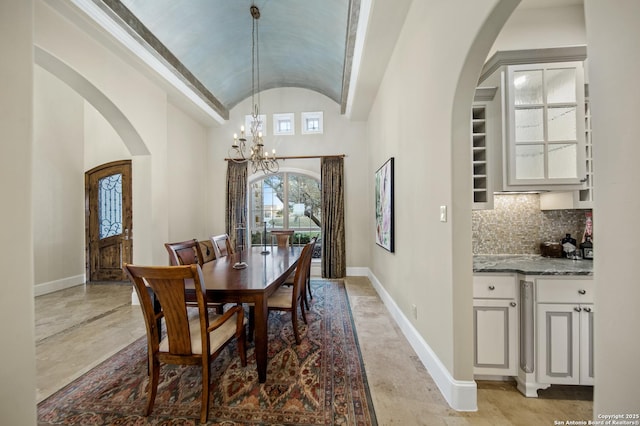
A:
545,126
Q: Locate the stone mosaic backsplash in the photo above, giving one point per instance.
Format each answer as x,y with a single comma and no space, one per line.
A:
516,225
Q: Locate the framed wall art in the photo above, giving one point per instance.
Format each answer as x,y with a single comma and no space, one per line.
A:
384,205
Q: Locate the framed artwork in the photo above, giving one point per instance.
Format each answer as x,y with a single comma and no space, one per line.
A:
384,205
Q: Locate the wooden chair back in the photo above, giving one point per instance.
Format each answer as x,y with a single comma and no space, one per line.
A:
222,245
185,253
168,285
184,343
302,273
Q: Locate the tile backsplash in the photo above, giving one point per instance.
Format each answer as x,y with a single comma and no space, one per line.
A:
516,225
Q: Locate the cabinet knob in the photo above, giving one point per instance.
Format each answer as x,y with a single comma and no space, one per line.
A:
577,309
513,304
492,287
587,309
582,291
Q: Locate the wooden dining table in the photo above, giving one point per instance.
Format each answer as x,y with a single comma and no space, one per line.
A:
261,277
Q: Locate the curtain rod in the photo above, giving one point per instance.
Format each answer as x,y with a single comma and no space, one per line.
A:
300,157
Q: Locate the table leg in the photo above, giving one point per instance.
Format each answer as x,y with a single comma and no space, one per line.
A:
261,337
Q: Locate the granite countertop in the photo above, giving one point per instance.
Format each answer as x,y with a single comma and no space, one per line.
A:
531,265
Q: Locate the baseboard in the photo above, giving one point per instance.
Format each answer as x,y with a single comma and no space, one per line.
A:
357,271
461,395
61,284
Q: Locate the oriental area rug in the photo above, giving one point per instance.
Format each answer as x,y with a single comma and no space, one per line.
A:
319,382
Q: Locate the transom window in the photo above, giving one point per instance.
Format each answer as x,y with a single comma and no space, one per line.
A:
285,201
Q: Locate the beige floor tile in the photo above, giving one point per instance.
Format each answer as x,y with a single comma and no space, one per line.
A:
80,327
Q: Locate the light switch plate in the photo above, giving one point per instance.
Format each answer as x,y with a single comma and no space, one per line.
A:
443,213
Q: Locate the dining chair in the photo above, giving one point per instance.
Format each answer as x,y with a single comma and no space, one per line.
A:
189,340
189,253
307,289
184,253
288,298
222,245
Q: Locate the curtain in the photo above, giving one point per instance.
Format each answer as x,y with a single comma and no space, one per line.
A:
236,214
334,264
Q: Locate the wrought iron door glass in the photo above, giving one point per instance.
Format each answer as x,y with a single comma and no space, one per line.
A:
110,205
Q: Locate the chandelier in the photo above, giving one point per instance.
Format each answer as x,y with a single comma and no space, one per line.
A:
241,151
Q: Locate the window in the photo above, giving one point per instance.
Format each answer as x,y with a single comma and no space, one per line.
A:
285,201
283,124
311,122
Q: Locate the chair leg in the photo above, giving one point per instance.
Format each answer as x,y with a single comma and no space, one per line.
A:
242,349
204,407
304,316
154,378
294,320
304,297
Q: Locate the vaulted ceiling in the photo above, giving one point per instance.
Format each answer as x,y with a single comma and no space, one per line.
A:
339,48
302,43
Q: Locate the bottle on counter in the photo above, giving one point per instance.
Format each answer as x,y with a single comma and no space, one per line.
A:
586,248
569,246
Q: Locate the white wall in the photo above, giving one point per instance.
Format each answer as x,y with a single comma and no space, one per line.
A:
340,137
58,184
174,140
17,369
613,29
534,28
411,121
188,172
101,142
421,117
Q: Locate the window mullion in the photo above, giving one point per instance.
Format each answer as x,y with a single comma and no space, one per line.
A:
285,201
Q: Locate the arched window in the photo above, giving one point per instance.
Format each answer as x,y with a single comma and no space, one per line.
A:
285,201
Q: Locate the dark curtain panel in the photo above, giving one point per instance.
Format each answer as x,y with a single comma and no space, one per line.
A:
334,261
236,214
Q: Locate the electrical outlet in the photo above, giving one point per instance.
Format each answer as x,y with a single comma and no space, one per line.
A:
414,311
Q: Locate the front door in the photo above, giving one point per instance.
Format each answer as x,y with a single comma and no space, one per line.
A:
108,219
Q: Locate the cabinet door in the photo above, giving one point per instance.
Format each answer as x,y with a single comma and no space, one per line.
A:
545,126
495,337
586,345
558,343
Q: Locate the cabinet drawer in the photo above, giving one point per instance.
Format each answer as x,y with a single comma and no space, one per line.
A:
565,291
494,287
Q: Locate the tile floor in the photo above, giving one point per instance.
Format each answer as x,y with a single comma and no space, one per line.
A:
71,338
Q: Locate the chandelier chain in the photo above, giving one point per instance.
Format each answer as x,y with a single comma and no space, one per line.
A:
255,154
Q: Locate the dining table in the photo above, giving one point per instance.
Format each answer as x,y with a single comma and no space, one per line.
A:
251,276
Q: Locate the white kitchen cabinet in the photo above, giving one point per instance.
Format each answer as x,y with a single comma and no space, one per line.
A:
495,325
581,198
545,126
565,312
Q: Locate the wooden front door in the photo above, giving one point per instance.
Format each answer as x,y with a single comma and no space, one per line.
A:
108,219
